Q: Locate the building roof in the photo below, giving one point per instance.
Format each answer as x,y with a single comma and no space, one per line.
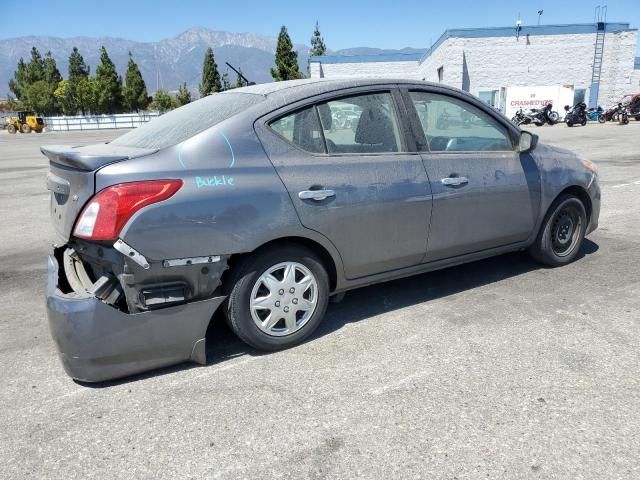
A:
563,29
385,57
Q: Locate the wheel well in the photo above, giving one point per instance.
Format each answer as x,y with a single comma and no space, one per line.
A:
315,247
582,194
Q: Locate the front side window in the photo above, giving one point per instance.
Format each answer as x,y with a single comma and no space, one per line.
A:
360,124
453,125
301,128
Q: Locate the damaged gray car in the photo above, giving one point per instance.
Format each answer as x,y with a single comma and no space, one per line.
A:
257,202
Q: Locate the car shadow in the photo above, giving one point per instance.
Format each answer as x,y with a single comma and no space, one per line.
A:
365,302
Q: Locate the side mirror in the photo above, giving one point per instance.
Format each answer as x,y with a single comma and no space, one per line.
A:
528,141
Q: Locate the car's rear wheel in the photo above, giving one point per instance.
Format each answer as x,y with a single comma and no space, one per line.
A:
561,233
278,297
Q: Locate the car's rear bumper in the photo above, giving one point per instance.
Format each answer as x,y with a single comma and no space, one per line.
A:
98,342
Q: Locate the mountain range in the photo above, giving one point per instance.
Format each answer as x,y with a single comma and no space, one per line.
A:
166,63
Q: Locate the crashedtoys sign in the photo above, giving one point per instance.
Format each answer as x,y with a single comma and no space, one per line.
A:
537,97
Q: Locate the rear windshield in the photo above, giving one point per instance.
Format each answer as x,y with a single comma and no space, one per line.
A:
187,121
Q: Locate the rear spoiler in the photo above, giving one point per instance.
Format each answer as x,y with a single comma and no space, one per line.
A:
70,156
92,157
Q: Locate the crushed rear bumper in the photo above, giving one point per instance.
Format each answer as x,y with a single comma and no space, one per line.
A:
97,342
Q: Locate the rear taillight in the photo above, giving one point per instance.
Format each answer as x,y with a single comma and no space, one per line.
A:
110,209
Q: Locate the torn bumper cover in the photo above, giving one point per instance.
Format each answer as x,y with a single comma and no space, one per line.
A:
98,342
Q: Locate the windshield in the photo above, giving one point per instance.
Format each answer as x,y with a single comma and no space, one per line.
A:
187,121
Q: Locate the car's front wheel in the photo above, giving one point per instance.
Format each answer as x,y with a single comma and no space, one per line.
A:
277,297
561,233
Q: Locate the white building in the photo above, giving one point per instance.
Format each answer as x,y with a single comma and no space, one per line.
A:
597,60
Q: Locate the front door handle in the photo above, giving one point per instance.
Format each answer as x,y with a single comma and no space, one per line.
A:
454,181
316,194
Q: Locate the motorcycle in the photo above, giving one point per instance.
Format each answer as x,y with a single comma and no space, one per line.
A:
596,114
576,115
623,114
540,117
518,117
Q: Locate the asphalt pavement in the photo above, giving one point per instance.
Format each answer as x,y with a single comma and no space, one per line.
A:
495,369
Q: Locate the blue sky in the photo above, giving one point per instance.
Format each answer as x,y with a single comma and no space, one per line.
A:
344,23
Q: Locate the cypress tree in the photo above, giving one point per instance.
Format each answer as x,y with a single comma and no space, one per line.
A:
134,91
162,101
110,84
35,68
184,95
78,73
239,81
18,83
318,47
286,59
77,68
210,75
226,85
51,72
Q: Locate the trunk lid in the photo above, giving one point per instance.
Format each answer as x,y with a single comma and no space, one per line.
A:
71,179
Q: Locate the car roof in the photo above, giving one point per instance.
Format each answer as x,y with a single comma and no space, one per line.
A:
289,91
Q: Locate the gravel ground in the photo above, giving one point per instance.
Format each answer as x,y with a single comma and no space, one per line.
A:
496,369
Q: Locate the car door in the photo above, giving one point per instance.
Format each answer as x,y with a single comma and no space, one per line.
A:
484,194
352,178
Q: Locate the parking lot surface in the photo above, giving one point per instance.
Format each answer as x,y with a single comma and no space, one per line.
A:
495,369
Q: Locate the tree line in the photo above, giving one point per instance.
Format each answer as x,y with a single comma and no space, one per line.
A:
39,87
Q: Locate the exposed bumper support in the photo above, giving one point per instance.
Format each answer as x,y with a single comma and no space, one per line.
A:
98,342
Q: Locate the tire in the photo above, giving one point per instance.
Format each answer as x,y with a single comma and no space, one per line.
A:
25,128
246,284
601,119
569,124
584,122
553,246
11,129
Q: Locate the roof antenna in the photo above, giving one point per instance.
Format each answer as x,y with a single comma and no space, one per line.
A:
240,74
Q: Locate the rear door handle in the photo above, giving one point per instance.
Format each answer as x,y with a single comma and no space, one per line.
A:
316,194
454,181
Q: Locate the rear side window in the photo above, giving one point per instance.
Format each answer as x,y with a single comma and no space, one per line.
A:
301,128
360,124
185,122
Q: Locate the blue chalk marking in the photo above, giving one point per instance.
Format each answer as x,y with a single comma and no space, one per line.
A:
214,181
233,157
180,148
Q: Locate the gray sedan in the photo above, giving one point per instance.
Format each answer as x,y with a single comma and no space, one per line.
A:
252,201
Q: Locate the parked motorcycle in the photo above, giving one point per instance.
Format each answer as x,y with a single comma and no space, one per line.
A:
596,114
576,115
518,118
540,117
631,104
623,114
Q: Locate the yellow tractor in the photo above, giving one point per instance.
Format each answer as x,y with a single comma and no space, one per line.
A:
25,123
